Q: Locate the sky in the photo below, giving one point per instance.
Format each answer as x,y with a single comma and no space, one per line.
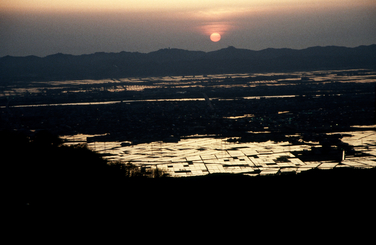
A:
44,27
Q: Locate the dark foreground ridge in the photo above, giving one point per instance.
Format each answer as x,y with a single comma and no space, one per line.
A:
169,62
43,173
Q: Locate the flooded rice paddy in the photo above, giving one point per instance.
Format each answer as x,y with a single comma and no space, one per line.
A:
111,105
182,83
207,154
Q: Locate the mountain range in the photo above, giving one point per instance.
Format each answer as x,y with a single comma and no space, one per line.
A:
169,62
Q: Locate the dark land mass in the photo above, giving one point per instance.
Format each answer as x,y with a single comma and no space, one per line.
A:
314,109
182,62
48,174
44,173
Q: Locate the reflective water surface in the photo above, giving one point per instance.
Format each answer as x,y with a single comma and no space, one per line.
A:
208,154
204,154
241,80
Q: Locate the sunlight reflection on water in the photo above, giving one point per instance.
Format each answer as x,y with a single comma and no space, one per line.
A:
139,84
207,154
200,155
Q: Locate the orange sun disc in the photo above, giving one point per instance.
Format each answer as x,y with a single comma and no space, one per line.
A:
215,37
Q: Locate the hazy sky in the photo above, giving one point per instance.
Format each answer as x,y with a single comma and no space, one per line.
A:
43,27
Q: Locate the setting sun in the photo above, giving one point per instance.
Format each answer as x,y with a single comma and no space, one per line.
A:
215,37
44,27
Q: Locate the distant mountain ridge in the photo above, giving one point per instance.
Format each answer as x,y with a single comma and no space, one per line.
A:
168,62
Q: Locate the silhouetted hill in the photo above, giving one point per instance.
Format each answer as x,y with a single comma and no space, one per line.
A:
173,55
182,62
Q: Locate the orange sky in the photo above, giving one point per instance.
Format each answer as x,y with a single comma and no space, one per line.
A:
175,5
42,27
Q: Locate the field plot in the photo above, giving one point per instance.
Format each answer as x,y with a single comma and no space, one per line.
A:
246,123
201,155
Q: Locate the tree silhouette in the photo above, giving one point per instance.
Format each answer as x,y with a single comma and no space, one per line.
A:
39,169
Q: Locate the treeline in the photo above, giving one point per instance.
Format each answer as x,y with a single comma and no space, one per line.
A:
41,170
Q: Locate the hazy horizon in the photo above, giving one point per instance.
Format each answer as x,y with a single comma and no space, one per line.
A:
43,27
165,48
